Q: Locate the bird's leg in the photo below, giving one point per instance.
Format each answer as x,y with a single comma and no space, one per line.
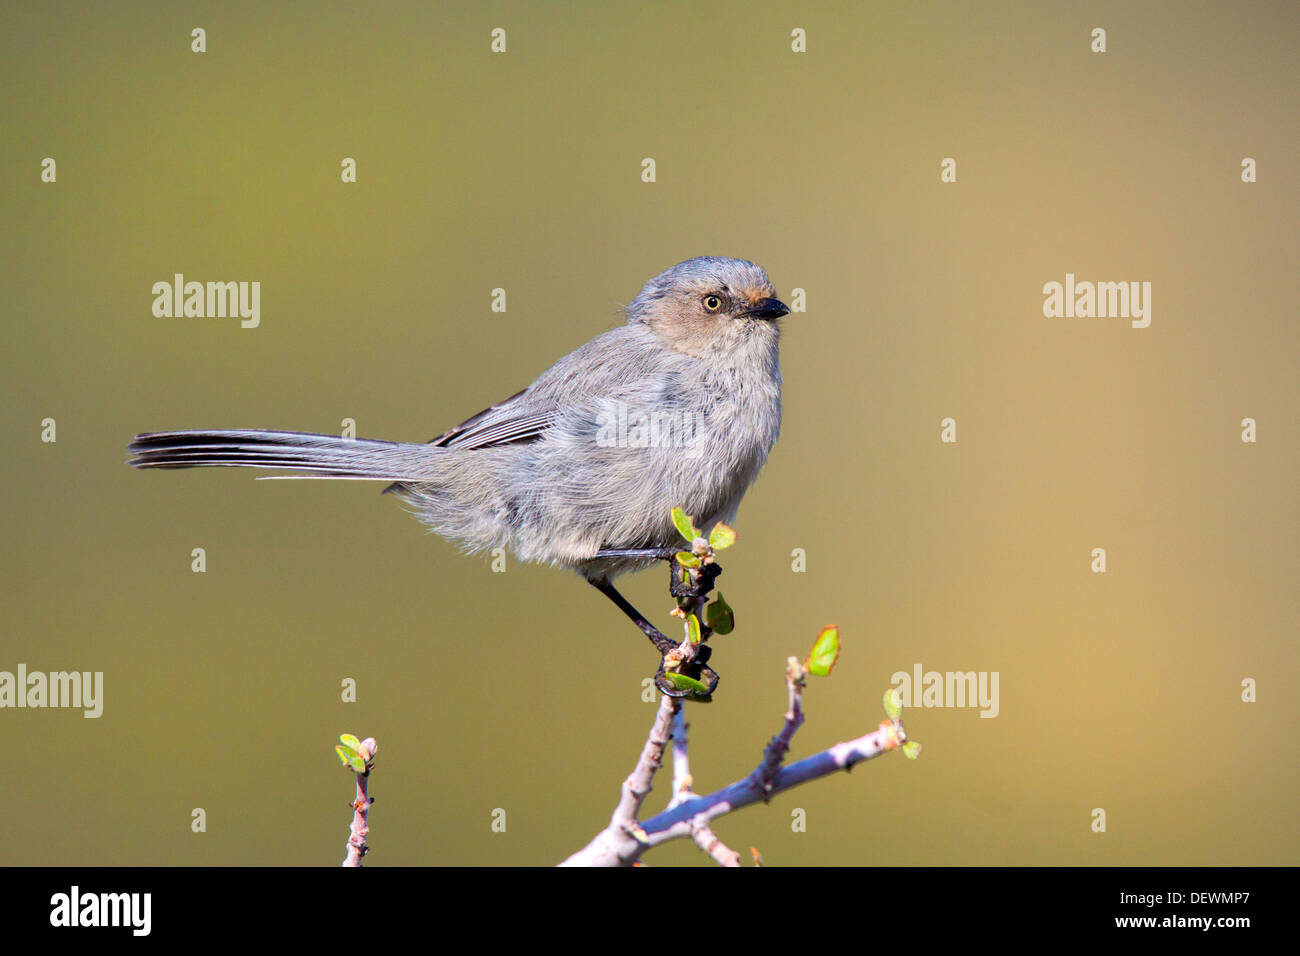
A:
695,586
694,667
650,554
657,637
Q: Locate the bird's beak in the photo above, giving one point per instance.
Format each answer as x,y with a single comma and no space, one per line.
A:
768,309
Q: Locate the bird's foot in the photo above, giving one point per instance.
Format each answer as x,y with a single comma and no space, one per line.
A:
690,678
691,582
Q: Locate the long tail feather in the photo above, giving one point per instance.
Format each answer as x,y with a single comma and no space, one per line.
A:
319,456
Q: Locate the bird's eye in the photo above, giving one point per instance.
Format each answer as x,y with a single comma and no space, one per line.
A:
712,303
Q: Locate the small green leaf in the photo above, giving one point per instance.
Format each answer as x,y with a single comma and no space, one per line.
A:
682,682
719,616
825,652
911,750
721,537
893,703
685,526
350,742
357,764
345,755
693,628
687,560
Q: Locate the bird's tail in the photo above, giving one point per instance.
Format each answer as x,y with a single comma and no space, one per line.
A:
317,456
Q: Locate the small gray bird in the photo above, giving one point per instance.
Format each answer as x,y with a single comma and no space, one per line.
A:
679,407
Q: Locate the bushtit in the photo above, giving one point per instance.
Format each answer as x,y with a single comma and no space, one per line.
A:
679,407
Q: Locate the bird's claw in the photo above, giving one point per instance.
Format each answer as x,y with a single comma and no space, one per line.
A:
697,670
697,584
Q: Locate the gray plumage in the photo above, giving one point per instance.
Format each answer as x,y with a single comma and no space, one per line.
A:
561,470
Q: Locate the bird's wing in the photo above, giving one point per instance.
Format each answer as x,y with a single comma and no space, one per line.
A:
512,421
518,419
619,361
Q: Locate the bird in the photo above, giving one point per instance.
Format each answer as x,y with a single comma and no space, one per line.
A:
678,407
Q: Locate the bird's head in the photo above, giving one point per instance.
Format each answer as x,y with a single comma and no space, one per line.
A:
710,306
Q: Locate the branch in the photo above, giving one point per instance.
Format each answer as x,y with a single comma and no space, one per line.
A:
359,757
795,678
639,782
677,821
624,841
691,815
705,838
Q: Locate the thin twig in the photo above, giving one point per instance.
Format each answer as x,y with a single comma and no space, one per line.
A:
704,837
617,847
678,821
640,780
779,746
708,841
682,781
360,828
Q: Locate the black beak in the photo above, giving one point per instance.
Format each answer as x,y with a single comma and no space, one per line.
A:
768,309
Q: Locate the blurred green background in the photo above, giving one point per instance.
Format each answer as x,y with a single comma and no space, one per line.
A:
522,171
